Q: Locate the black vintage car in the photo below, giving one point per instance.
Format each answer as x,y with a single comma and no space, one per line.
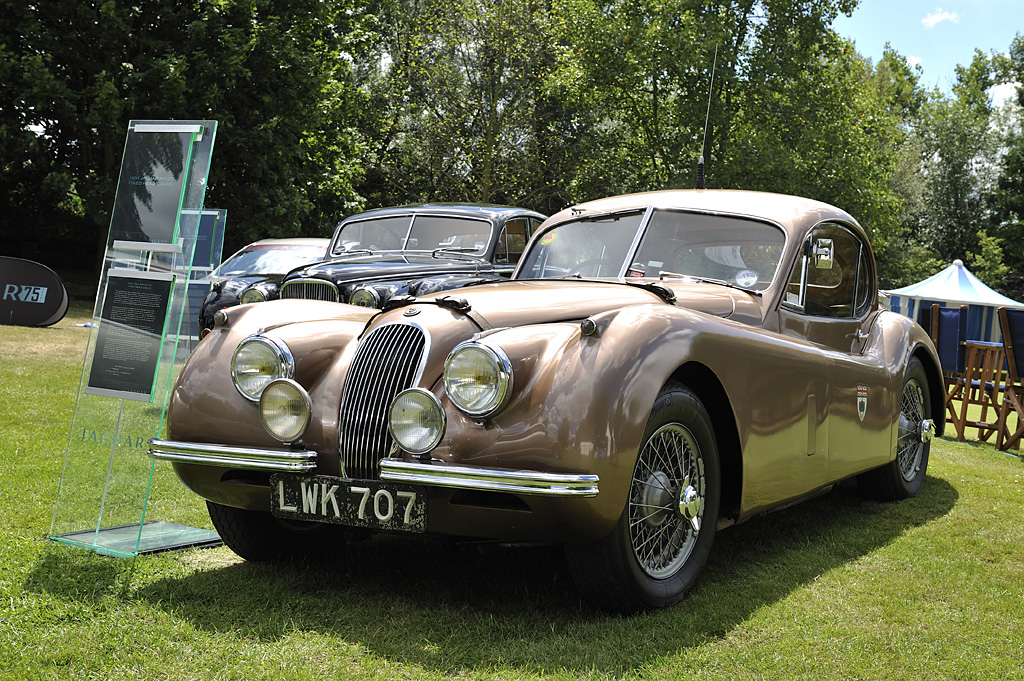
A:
414,250
252,274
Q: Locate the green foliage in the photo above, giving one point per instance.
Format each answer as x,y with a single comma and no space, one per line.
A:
269,71
329,106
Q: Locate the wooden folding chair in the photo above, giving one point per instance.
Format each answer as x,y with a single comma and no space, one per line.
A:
948,328
1011,324
982,383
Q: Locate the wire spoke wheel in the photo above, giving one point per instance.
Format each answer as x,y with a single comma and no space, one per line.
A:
663,536
666,500
909,447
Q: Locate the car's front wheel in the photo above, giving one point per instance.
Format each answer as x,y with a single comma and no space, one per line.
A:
259,537
663,538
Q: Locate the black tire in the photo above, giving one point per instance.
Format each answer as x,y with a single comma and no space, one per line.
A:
903,477
652,559
259,537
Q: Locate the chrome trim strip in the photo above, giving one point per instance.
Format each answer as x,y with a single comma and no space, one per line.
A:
249,458
536,483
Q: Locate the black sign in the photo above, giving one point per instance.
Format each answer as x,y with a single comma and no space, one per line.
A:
130,336
151,187
30,294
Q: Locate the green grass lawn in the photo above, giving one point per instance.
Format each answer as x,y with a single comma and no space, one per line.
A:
839,587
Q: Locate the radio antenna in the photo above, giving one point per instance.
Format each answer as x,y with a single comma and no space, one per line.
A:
707,117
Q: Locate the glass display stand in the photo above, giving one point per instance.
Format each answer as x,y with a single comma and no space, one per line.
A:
138,340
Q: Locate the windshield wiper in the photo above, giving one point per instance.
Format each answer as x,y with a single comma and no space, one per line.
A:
657,289
704,280
456,250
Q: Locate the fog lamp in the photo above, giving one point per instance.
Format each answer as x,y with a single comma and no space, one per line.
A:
416,420
285,409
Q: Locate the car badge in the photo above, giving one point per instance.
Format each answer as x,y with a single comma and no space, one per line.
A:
413,311
862,402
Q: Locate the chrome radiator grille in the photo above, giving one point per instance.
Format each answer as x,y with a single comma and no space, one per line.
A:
387,362
310,289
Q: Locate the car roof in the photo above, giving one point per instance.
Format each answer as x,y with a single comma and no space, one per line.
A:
794,213
488,210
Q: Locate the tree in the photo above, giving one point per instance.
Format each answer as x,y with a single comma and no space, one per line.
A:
270,71
960,160
1005,201
463,116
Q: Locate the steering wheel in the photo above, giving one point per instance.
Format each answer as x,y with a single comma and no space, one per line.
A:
596,264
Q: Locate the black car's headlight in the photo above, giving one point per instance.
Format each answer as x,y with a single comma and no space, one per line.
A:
416,420
257,361
285,409
478,378
253,294
365,296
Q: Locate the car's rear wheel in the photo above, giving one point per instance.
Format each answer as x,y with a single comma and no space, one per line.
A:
259,537
663,538
903,477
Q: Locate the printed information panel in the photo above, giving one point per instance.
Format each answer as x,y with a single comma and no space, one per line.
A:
130,337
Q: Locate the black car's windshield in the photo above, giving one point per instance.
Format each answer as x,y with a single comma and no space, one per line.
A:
741,252
270,259
427,233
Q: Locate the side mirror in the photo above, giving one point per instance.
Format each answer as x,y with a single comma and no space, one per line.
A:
823,254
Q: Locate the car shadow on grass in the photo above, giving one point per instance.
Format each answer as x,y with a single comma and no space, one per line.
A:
443,607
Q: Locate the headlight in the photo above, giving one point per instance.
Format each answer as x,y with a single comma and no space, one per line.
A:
365,296
284,409
253,294
478,378
416,420
257,361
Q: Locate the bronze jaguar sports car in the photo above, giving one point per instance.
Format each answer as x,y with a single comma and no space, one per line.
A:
660,366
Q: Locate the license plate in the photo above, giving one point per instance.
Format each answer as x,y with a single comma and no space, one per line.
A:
362,503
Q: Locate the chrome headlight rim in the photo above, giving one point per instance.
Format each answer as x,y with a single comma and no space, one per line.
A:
503,372
297,391
365,296
283,354
430,399
254,293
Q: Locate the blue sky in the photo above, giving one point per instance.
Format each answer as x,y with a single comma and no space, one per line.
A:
937,34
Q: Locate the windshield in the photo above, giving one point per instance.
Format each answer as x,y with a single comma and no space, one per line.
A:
428,233
270,259
742,252
590,248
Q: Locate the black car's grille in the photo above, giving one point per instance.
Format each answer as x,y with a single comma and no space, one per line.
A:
386,363
310,289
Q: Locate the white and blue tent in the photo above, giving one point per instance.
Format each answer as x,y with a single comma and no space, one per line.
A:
955,286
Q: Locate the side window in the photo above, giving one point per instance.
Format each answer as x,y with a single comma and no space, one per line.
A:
833,277
512,241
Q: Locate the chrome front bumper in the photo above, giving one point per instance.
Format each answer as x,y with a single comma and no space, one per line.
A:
439,474
249,458
433,474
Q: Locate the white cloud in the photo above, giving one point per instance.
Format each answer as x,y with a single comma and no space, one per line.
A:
938,16
913,61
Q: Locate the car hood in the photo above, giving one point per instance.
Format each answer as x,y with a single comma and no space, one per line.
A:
514,303
388,265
